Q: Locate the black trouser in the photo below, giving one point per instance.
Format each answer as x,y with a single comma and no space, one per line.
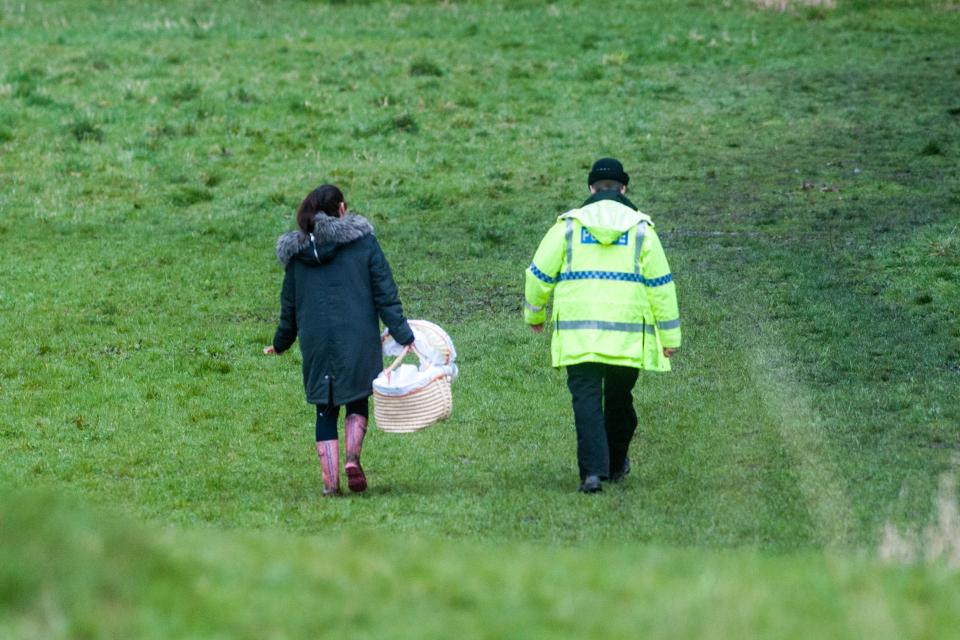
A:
327,417
604,415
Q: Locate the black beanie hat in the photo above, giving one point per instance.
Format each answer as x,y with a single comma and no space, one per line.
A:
608,169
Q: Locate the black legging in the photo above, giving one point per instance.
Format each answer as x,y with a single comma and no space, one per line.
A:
327,416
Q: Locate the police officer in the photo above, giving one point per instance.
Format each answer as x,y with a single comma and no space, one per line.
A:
614,312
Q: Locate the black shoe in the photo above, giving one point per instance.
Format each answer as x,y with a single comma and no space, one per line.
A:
590,484
623,473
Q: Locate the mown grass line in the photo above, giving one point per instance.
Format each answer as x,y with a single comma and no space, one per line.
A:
790,408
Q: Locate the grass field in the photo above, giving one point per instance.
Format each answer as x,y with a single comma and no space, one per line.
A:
795,475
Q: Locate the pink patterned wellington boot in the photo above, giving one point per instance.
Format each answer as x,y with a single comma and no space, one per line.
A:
356,427
329,452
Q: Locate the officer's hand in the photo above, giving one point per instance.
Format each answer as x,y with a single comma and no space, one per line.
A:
537,328
668,352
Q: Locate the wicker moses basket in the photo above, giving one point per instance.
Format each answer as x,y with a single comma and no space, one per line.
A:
409,398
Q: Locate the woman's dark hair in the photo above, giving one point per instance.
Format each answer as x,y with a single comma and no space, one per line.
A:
325,198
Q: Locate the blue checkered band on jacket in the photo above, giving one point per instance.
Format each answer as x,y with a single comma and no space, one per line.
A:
612,275
541,275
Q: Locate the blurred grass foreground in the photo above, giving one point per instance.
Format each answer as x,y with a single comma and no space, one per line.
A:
69,571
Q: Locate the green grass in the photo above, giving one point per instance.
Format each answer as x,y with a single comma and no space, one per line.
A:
801,169
109,578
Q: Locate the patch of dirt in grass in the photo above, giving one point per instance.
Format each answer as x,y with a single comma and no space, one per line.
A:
783,5
939,541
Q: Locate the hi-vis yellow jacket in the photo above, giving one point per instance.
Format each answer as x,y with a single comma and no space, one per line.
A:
614,300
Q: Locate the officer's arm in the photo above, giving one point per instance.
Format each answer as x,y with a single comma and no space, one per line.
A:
661,291
541,276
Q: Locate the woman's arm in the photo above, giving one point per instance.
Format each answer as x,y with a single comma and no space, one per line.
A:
286,333
386,298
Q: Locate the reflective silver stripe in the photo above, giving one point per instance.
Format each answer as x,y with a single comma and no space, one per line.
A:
603,325
641,232
669,324
569,238
531,307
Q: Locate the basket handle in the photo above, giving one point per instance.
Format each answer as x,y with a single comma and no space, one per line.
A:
396,362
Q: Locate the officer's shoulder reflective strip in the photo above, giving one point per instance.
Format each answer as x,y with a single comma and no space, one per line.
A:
541,275
668,324
568,236
604,325
641,232
531,307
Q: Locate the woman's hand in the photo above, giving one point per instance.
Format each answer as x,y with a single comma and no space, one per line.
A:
269,351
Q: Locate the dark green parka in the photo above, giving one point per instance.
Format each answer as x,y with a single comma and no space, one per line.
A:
337,283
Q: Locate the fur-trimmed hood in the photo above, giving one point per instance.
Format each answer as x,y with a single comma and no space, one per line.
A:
329,234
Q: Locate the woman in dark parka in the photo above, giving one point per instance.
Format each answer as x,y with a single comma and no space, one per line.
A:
336,284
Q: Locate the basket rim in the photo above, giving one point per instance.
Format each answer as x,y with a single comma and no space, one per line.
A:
415,391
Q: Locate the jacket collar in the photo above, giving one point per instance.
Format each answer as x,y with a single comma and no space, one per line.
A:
327,229
329,234
611,194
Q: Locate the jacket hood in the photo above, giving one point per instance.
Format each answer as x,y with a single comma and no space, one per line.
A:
329,234
607,215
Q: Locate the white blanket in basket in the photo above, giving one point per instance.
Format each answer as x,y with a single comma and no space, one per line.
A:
436,353
407,378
